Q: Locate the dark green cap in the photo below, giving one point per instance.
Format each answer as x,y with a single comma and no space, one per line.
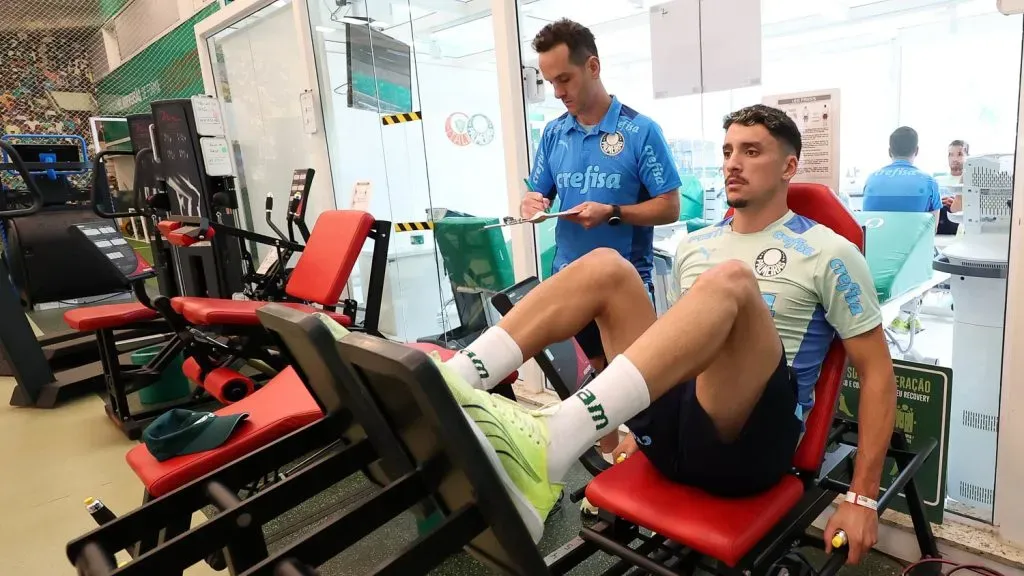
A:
179,432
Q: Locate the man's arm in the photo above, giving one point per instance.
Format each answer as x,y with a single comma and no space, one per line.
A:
663,209
869,355
848,295
657,170
542,185
935,201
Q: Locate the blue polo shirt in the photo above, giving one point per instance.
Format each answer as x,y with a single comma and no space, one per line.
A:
624,160
901,187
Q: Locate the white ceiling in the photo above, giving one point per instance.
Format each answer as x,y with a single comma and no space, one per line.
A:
461,31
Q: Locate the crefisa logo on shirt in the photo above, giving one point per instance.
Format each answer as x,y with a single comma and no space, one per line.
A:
612,144
593,178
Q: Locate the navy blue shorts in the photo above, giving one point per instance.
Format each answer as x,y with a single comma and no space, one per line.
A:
680,440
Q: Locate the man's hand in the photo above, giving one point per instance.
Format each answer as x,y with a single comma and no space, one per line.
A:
861,527
947,201
626,448
591,214
533,203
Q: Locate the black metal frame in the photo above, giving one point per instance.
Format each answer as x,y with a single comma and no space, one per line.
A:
74,368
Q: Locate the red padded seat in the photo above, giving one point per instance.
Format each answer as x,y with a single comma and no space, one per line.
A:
216,311
281,407
723,528
108,316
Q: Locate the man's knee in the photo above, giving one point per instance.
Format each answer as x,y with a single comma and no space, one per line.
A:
732,278
607,265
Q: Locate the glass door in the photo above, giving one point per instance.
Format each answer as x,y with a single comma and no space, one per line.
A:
257,79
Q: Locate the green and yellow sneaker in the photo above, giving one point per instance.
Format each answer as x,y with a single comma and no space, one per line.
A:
516,440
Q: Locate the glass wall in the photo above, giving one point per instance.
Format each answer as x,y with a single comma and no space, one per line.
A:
382,58
947,68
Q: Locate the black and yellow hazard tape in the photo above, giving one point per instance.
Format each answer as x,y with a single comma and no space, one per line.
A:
413,226
399,118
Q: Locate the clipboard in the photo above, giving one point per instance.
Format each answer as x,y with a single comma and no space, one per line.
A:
536,219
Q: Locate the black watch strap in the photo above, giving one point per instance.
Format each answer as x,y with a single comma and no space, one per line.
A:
616,217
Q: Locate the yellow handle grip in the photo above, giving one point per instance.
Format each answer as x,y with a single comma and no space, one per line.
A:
839,539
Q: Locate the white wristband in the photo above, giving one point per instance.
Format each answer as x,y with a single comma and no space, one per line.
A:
854,498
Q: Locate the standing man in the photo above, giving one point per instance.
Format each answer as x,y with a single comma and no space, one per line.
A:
601,158
901,186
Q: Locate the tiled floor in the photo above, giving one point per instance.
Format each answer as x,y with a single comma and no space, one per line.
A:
53,460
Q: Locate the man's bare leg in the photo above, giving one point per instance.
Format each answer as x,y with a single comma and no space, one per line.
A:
721,326
600,286
721,333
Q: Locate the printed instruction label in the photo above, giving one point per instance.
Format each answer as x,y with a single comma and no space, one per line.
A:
208,116
216,156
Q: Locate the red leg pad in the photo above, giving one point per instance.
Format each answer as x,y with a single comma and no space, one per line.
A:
282,406
228,386
191,369
723,528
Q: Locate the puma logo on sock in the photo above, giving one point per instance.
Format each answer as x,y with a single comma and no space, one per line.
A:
478,364
596,410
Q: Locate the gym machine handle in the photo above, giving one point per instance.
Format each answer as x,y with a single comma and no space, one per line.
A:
270,213
33,190
97,202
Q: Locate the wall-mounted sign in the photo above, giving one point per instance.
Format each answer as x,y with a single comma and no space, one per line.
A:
464,130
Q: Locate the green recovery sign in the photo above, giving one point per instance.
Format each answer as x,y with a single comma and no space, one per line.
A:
922,413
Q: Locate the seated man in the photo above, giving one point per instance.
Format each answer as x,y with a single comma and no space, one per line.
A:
715,390
901,186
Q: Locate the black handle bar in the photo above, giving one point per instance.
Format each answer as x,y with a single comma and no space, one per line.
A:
33,190
97,202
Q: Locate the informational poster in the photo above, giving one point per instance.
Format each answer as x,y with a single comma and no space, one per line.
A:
362,193
922,412
816,113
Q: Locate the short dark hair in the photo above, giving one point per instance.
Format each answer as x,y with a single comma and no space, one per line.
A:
774,120
961,143
576,37
903,142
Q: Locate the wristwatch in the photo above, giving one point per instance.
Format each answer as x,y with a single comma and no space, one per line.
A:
616,217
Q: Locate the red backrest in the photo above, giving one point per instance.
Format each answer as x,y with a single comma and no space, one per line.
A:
329,256
819,203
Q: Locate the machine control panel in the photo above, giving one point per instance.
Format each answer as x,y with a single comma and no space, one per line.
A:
108,240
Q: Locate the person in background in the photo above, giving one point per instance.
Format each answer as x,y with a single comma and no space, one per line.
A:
603,159
901,186
959,150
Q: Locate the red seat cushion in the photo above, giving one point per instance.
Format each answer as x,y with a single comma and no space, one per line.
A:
723,528
216,311
92,318
282,406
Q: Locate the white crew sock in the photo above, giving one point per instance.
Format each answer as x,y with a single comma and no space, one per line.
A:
488,360
574,425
